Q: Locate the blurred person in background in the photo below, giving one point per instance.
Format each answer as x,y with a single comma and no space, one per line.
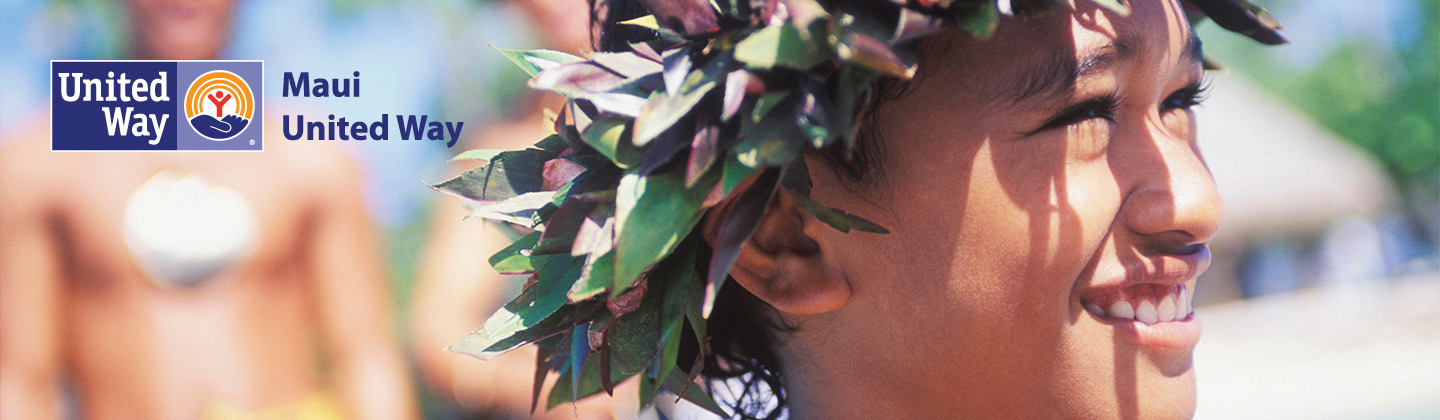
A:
191,285
450,299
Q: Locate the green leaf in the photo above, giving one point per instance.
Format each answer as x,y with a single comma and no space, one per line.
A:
509,174
647,22
733,174
633,336
663,111
779,46
516,323
598,276
607,136
587,386
837,219
979,18
774,141
680,385
476,154
679,272
535,61
516,258
871,53
519,210
654,213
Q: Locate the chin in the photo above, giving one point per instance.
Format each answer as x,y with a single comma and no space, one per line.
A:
1157,393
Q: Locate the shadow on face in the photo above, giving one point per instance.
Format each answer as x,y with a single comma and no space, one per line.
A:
1021,173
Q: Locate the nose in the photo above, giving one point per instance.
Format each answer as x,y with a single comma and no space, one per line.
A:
1171,200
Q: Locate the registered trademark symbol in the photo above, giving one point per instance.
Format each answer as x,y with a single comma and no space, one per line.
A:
252,142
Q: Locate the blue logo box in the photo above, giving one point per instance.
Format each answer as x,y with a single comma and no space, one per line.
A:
157,105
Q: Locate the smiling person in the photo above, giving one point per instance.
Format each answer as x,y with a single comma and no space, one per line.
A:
962,209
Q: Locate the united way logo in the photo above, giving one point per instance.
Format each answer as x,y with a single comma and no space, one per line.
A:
139,106
219,105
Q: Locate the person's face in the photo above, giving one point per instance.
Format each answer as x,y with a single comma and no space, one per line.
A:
179,29
1049,168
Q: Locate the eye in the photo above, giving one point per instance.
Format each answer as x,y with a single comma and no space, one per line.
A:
1186,98
1098,108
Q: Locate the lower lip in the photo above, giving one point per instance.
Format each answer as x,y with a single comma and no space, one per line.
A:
1176,335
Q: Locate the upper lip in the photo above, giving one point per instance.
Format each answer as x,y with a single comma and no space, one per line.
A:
1167,269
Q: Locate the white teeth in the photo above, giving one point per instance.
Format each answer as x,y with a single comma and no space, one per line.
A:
1122,309
1169,308
1166,310
1146,313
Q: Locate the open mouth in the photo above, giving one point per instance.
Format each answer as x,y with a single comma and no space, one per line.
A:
1147,303
1151,315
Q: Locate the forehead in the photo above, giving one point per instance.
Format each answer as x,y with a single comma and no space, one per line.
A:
1027,57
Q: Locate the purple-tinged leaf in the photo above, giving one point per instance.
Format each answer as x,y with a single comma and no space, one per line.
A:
597,233
627,64
690,18
677,66
738,219
1236,17
606,358
867,51
535,61
644,50
558,172
735,85
661,112
541,370
665,149
702,152
563,226
577,80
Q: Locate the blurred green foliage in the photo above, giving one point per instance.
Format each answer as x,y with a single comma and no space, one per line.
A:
1387,101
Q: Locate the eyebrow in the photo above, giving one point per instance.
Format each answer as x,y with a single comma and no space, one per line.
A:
1058,74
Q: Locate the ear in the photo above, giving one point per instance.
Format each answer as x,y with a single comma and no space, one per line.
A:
783,266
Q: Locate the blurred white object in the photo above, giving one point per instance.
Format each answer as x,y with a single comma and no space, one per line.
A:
1309,355
182,231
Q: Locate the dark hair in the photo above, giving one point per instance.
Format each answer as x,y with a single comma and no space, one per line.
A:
742,329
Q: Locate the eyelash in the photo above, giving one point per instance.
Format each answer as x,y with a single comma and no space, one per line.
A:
1106,106
1101,107
1186,97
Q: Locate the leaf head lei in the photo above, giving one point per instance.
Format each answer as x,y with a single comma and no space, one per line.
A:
710,117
